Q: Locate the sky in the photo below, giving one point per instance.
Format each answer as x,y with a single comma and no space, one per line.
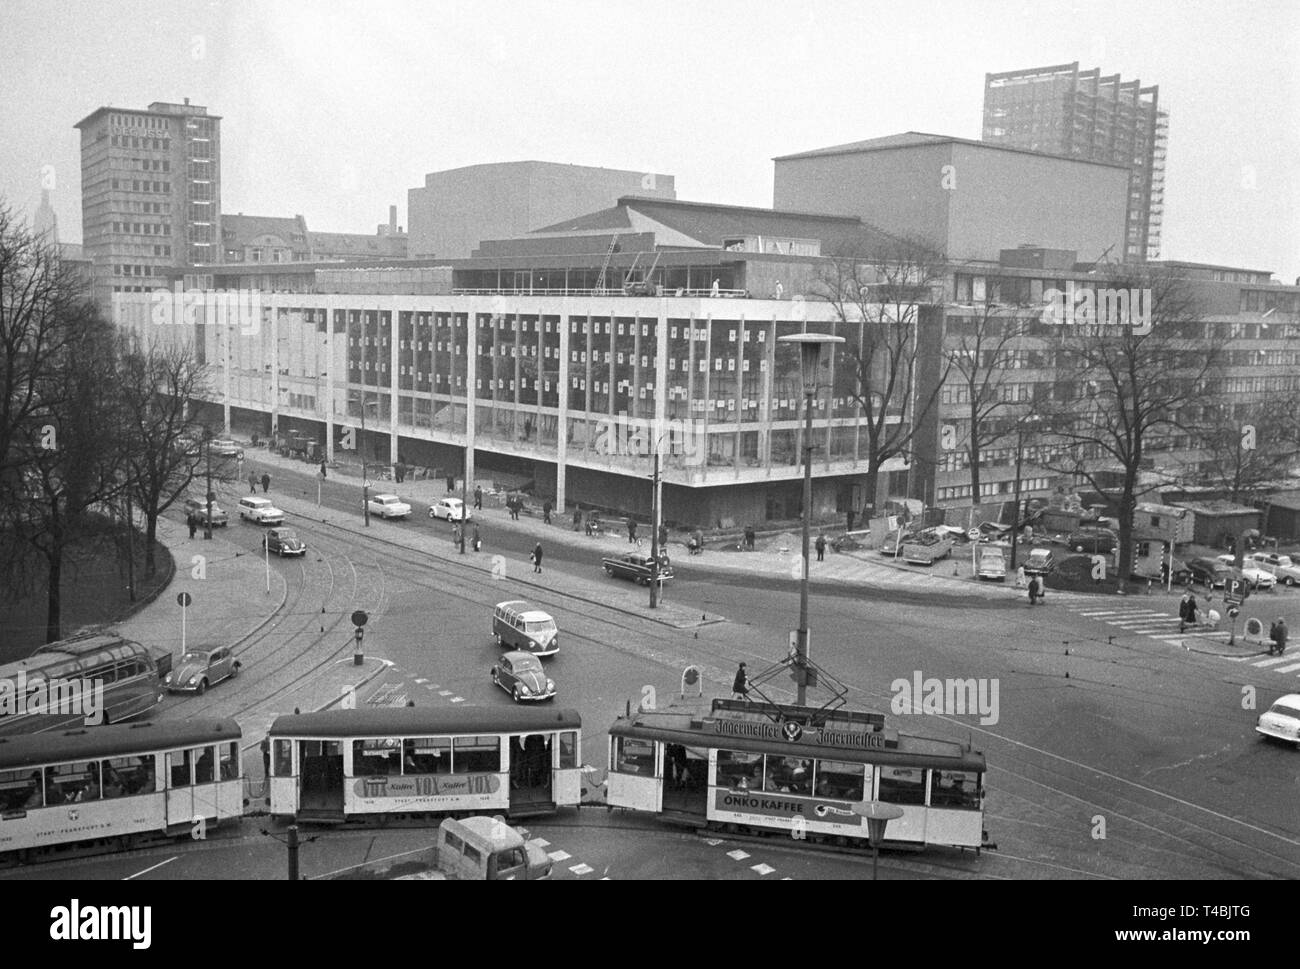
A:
333,110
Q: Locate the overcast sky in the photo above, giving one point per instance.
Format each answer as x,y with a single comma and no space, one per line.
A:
333,110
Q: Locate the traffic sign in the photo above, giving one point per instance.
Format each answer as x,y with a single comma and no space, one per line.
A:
183,599
359,618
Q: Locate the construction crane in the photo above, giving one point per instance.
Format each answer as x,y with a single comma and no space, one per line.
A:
642,286
604,267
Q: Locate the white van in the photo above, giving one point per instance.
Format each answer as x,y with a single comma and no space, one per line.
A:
516,625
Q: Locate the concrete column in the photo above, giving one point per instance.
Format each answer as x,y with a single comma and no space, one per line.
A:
393,383
225,377
275,369
330,305
562,431
471,375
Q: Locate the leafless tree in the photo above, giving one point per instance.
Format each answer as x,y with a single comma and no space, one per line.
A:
878,299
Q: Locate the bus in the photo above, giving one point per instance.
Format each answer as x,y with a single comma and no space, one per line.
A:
749,767
342,765
124,670
120,784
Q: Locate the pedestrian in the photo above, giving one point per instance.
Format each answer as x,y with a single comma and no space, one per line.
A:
631,531
252,482
714,289
821,547
577,518
456,534
749,537
1185,607
478,498
663,537
266,756
779,289
266,482
322,468
740,685
1033,590
1277,633
193,522
537,557
451,483
477,543
851,515
546,512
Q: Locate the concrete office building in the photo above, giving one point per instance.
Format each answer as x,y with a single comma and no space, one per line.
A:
271,239
150,195
1064,111
457,208
967,198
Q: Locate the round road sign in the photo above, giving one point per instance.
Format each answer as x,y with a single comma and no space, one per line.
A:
359,618
183,599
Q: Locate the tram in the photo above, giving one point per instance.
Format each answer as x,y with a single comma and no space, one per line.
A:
340,765
123,669
733,765
121,783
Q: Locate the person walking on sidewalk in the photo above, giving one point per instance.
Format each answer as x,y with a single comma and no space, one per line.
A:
456,534
193,522
749,538
478,498
537,557
1186,611
477,543
821,548
1277,633
252,482
631,531
546,512
266,482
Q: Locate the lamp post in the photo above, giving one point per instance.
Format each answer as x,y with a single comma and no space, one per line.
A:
207,520
1015,515
810,348
361,444
656,517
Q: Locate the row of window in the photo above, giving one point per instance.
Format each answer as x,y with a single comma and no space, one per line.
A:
419,755
136,185
133,141
143,228
987,488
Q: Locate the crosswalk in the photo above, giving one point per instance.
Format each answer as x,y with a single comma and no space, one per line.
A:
1161,625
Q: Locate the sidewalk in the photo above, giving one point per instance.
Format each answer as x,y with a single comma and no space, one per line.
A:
778,557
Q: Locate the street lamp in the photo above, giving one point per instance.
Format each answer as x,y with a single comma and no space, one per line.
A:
1020,449
365,478
810,348
656,518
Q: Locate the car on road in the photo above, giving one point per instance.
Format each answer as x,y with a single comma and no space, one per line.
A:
1210,573
260,510
1257,577
1281,721
389,506
450,509
1283,567
990,562
1040,562
199,509
518,626
284,541
521,675
227,449
638,567
198,669
1093,540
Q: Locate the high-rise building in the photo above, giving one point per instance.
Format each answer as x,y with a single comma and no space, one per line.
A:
150,195
1062,110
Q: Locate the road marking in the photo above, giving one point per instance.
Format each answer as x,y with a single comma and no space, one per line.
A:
762,869
420,680
444,693
737,855
1271,662
458,699
150,868
1288,669
713,842
583,869
558,856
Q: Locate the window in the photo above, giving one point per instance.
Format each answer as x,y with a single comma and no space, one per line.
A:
788,775
954,789
19,790
426,755
178,768
634,756
228,755
568,749
840,779
476,755
376,757
902,785
204,764
127,776
740,770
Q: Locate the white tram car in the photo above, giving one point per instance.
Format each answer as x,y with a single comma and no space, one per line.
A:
736,765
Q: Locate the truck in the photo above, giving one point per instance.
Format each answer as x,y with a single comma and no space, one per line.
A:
990,562
926,548
477,848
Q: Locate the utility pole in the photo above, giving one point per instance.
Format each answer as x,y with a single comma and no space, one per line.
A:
207,524
656,512
130,548
365,479
464,498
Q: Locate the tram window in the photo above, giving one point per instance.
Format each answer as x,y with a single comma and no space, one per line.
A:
476,755
20,790
178,763
740,770
72,783
788,775
125,776
204,765
955,789
633,756
568,749
839,779
229,756
374,757
282,763
426,755
902,785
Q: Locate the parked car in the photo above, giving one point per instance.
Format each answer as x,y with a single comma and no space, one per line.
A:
260,510
1257,577
637,566
227,449
198,669
990,562
284,541
1281,721
450,509
1040,562
199,508
850,541
1094,541
893,540
1283,568
521,675
1211,573
389,506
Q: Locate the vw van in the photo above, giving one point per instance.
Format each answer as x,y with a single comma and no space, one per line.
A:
516,625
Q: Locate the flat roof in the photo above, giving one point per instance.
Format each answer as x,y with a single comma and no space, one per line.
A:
916,139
